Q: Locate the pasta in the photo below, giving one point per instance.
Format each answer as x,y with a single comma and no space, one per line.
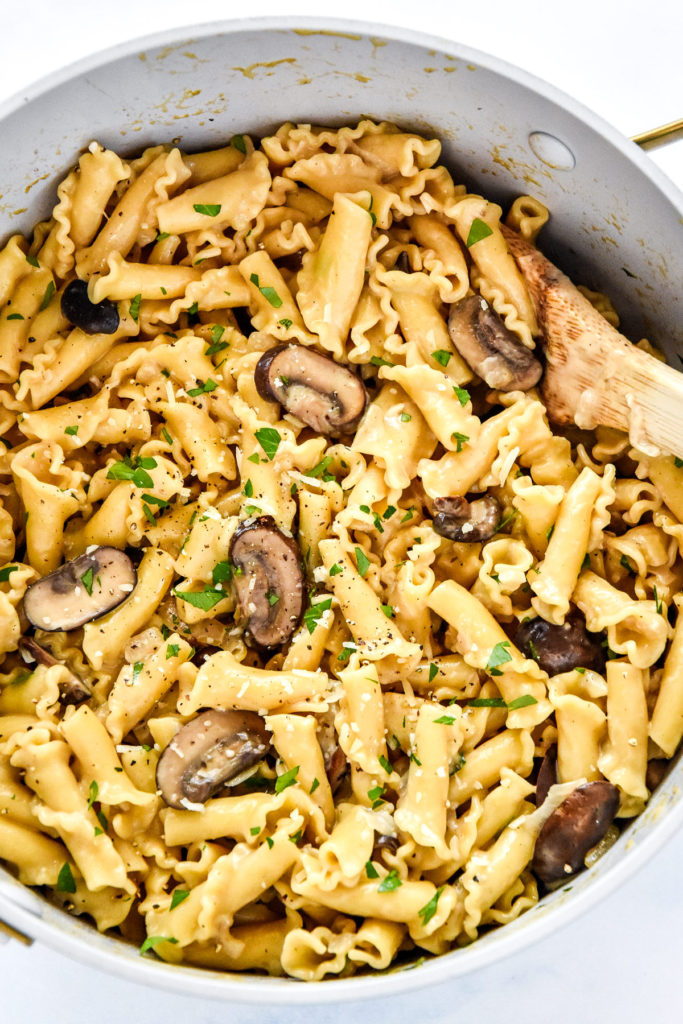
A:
306,632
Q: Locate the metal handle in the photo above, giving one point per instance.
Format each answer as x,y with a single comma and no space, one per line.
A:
661,136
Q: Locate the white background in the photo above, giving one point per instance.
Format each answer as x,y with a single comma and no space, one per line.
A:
622,961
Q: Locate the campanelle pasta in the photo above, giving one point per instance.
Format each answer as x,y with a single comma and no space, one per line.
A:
385,619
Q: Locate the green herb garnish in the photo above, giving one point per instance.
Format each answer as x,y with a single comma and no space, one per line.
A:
479,229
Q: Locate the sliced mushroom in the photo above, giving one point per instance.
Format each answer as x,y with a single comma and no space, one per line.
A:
91,317
80,590
335,767
577,825
466,521
72,690
493,352
209,752
561,648
323,394
547,774
269,580
388,844
656,772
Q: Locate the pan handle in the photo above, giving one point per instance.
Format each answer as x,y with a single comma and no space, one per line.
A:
661,136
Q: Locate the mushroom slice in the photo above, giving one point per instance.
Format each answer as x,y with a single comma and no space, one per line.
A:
72,690
80,590
575,827
207,753
466,521
269,580
493,352
561,648
323,394
547,774
91,317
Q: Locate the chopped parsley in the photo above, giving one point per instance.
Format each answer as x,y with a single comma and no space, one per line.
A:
362,561
314,611
314,785
65,880
135,471
370,870
505,520
390,882
335,569
15,316
203,388
460,440
388,610
254,457
272,598
500,655
525,701
71,431
320,470
216,345
286,780
208,209
178,896
427,912
49,292
624,562
204,599
441,356
378,361
267,292
462,395
137,669
238,142
152,941
248,489
479,229
5,573
269,439
385,763
433,672
135,306
87,580
33,261
678,462
658,603
285,322
221,572
444,720
406,417
172,651
255,830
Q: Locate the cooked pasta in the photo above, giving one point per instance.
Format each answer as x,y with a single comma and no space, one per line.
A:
307,632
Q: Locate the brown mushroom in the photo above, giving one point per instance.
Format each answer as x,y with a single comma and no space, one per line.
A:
80,590
575,827
207,753
493,352
72,690
323,394
385,844
269,580
656,772
335,768
560,648
467,522
547,774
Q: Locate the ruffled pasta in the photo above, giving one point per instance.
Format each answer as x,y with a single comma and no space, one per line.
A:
377,801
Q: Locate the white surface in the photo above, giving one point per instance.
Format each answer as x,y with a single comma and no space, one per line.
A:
622,960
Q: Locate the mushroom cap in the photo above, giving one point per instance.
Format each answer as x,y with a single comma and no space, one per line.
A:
581,821
269,581
323,394
72,690
91,317
80,590
490,349
467,522
560,648
207,753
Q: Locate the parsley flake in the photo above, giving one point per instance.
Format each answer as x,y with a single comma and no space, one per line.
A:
479,229
462,395
152,941
362,561
87,580
269,439
390,882
49,292
314,612
370,870
286,780
427,912
204,388
65,879
178,896
267,292
135,307
208,209
205,599
500,655
5,573
441,356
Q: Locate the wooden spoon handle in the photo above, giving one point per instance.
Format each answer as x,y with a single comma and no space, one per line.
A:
594,376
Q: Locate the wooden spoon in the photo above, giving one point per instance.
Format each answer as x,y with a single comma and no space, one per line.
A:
594,376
